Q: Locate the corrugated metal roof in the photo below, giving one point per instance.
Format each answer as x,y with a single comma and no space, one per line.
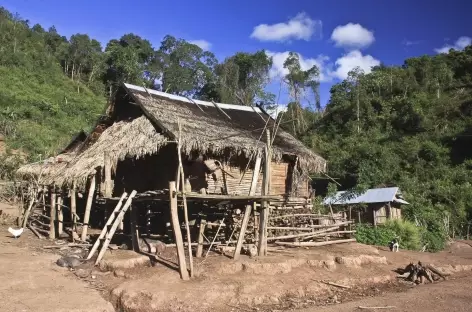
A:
377,195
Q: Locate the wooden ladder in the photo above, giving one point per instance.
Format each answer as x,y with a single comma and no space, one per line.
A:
107,232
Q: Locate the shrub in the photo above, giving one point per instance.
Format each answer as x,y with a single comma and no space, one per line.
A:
407,232
367,234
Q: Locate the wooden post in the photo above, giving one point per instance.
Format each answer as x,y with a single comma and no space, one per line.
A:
73,208
108,192
60,215
247,212
256,222
201,230
374,217
177,232
389,211
134,228
88,207
30,206
264,215
52,220
184,199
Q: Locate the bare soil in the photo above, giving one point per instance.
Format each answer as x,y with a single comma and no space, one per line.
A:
288,279
31,281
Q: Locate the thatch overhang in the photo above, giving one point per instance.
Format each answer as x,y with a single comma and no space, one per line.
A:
207,128
216,128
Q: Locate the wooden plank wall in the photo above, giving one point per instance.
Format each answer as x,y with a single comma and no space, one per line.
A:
280,183
233,182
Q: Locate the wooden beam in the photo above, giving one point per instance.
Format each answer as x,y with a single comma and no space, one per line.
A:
73,208
247,212
264,215
108,191
315,244
201,230
60,215
134,228
88,207
52,221
177,232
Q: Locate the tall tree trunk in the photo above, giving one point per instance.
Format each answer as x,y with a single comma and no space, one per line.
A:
73,70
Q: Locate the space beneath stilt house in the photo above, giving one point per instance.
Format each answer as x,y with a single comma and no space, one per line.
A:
164,169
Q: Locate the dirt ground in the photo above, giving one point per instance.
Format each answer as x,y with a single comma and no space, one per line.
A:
32,282
288,279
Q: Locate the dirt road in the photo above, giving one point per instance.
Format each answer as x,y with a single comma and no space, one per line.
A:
454,294
31,281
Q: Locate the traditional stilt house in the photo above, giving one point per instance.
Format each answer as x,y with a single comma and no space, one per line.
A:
226,157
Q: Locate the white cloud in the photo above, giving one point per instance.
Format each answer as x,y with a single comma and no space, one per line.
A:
352,36
203,44
301,27
459,45
351,60
278,59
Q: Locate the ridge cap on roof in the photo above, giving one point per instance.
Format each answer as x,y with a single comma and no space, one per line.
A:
192,101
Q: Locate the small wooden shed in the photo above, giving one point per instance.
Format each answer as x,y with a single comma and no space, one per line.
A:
373,206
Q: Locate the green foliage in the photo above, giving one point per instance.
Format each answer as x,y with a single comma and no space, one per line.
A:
378,236
407,233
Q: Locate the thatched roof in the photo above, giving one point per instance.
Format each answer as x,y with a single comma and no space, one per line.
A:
206,128
123,139
215,128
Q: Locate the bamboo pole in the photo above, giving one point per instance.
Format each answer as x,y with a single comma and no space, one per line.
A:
88,207
264,215
52,221
315,244
310,234
201,230
73,208
110,234
105,229
177,232
184,199
247,212
108,182
60,215
30,206
134,228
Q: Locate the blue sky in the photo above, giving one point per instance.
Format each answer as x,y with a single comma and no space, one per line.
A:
336,35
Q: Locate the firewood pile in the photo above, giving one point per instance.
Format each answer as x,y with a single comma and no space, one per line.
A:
418,273
303,228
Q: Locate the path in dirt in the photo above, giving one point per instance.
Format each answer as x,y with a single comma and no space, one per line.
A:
32,282
454,294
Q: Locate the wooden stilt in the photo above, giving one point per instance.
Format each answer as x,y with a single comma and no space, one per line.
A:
177,232
108,192
184,199
110,234
264,215
201,230
60,215
52,221
105,229
247,212
134,228
30,206
88,207
73,207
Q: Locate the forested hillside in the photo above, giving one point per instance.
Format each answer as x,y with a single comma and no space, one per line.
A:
408,126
